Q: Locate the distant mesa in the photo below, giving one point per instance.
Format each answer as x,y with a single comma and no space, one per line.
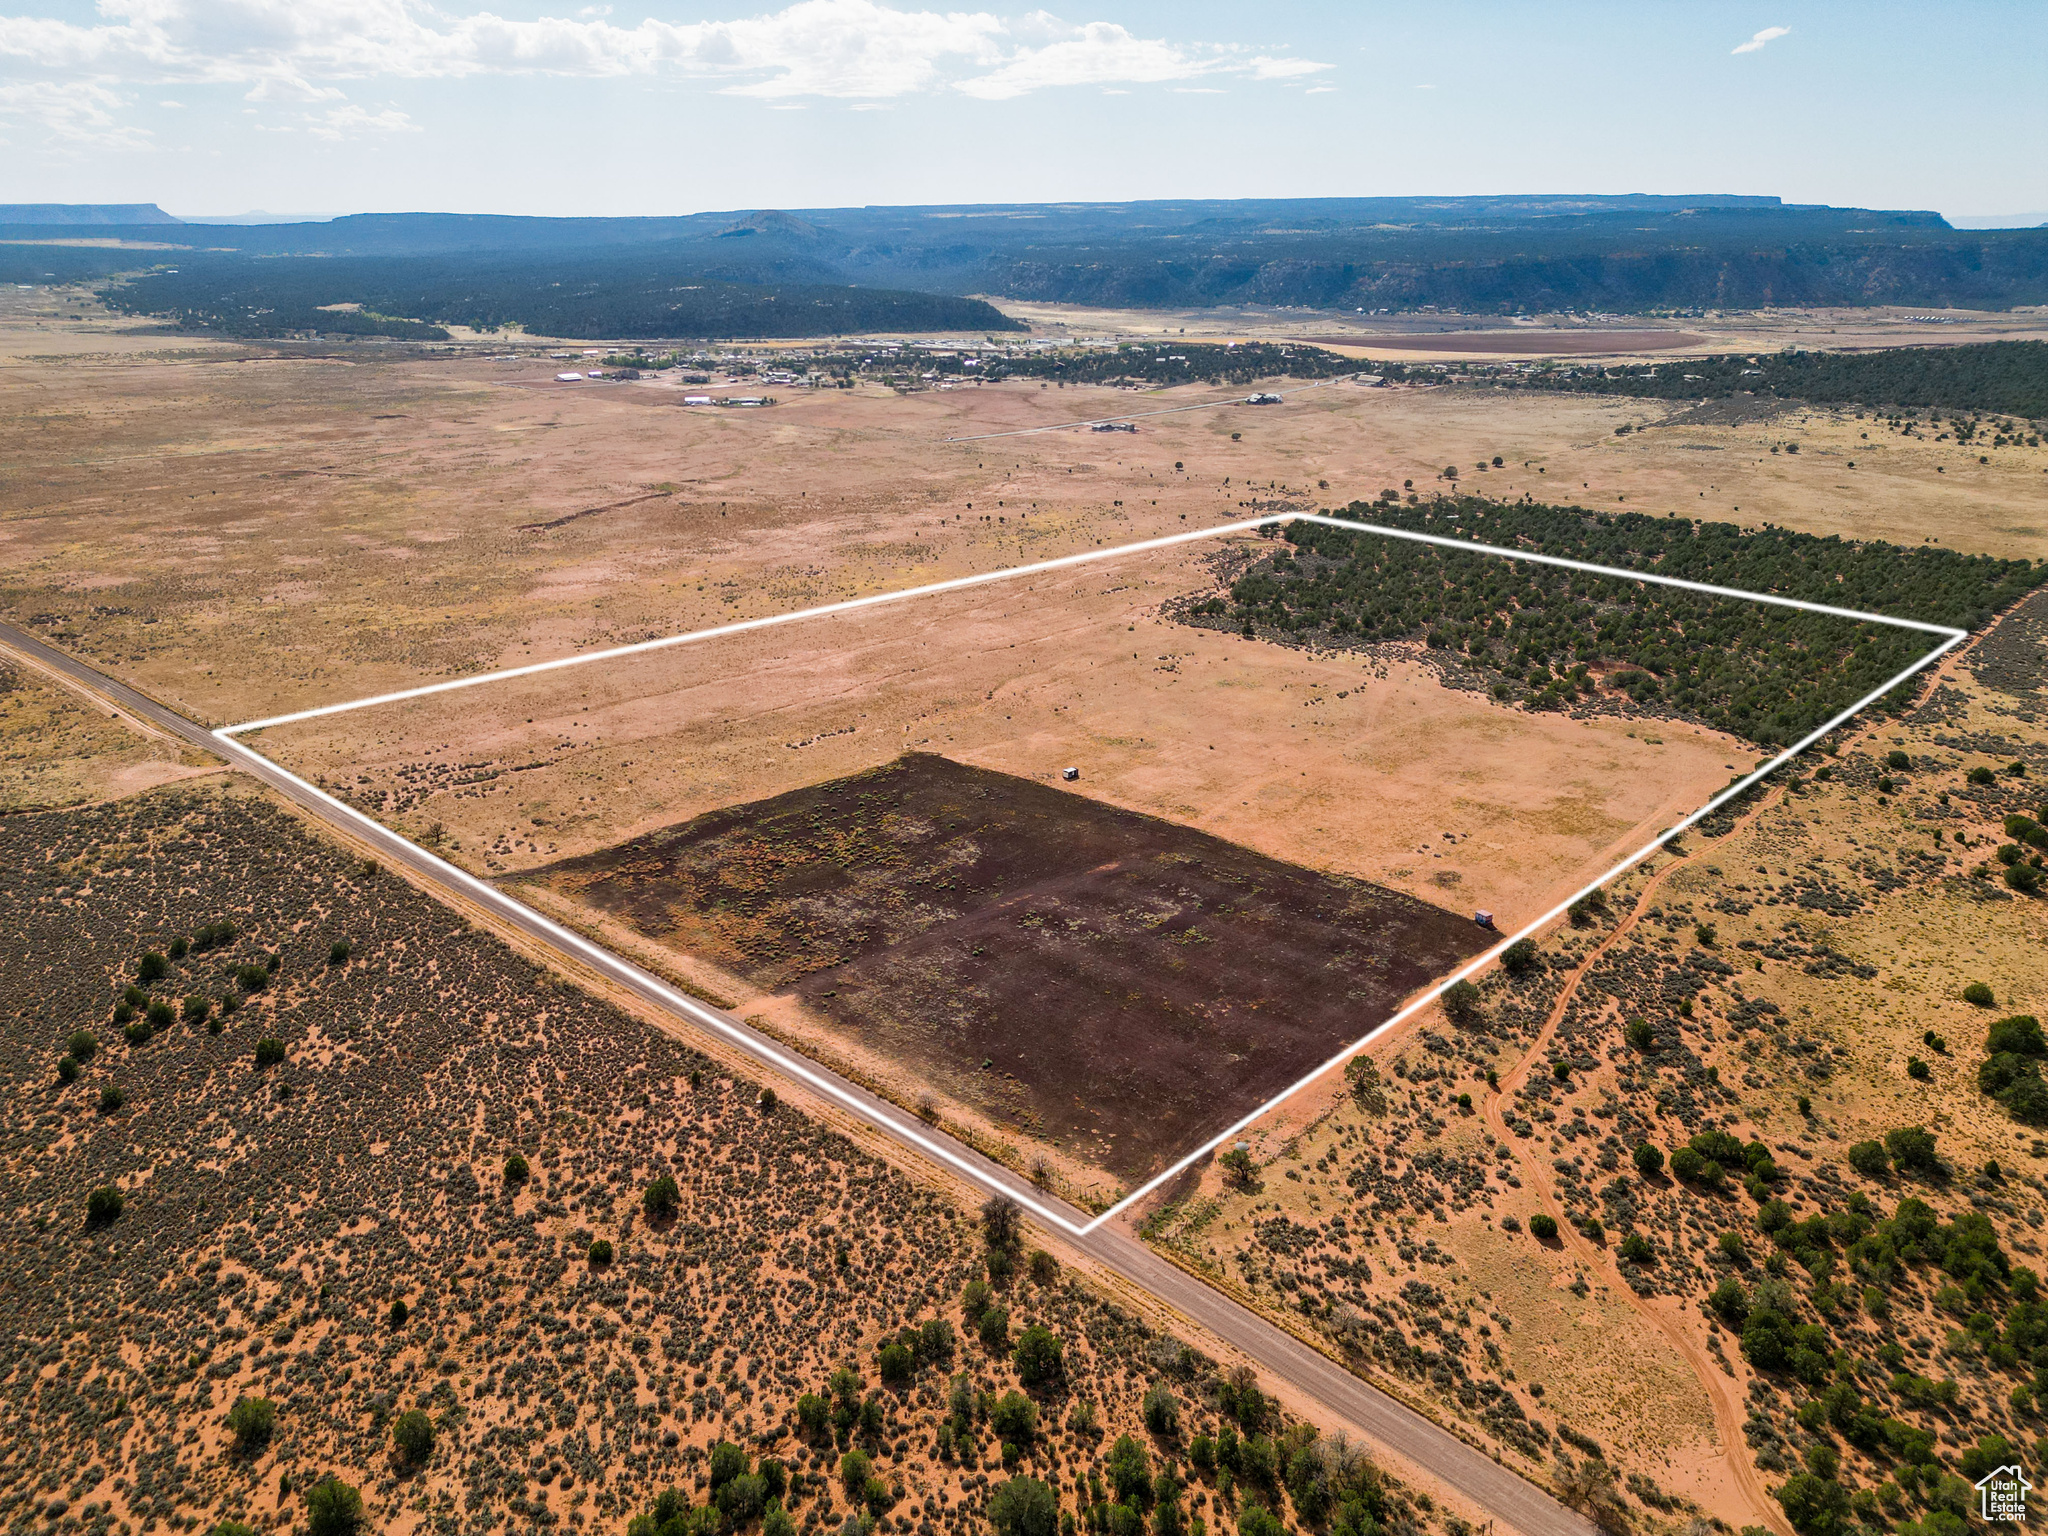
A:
769,221
84,213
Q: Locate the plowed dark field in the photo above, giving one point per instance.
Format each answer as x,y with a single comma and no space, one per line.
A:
1099,977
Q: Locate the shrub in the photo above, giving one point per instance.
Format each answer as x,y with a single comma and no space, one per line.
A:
161,1016
740,1499
1816,1505
151,967
662,1199
728,1461
1636,1249
197,1007
1897,759
81,1044
935,1341
1918,1070
999,1222
1256,1520
2019,1035
1044,1268
2024,878
1641,1034
103,1205
251,1422
2026,1100
854,1468
1461,1004
897,1363
1543,1227
1995,1074
399,1312
1038,1356
111,1099
138,1032
1161,1410
1766,1340
1129,1469
213,935
1730,1301
1977,994
766,1100
413,1434
67,1069
600,1251
338,952
812,1413
333,1508
974,1300
1649,1161
269,1052
1024,1506
1981,775
1687,1164
1014,1418
1870,1159
1912,1148
994,1329
251,978
1561,1069
1519,958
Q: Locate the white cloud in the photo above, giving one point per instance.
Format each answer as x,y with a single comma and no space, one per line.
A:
354,122
74,115
1768,35
291,50
1264,68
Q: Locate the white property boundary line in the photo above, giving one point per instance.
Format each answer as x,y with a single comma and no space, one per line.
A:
804,1071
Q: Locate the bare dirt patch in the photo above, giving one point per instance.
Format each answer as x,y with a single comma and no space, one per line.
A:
1110,981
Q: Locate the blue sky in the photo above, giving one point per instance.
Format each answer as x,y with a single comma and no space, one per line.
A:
216,106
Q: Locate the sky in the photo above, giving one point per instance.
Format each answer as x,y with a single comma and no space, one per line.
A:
541,107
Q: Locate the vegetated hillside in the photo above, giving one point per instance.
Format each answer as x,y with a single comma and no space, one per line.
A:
2006,376
639,297
1553,639
1490,255
324,1206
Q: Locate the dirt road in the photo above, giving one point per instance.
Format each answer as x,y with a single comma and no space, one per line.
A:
1722,1394
1513,1503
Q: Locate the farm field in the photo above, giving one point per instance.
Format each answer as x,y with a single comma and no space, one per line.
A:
1115,984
